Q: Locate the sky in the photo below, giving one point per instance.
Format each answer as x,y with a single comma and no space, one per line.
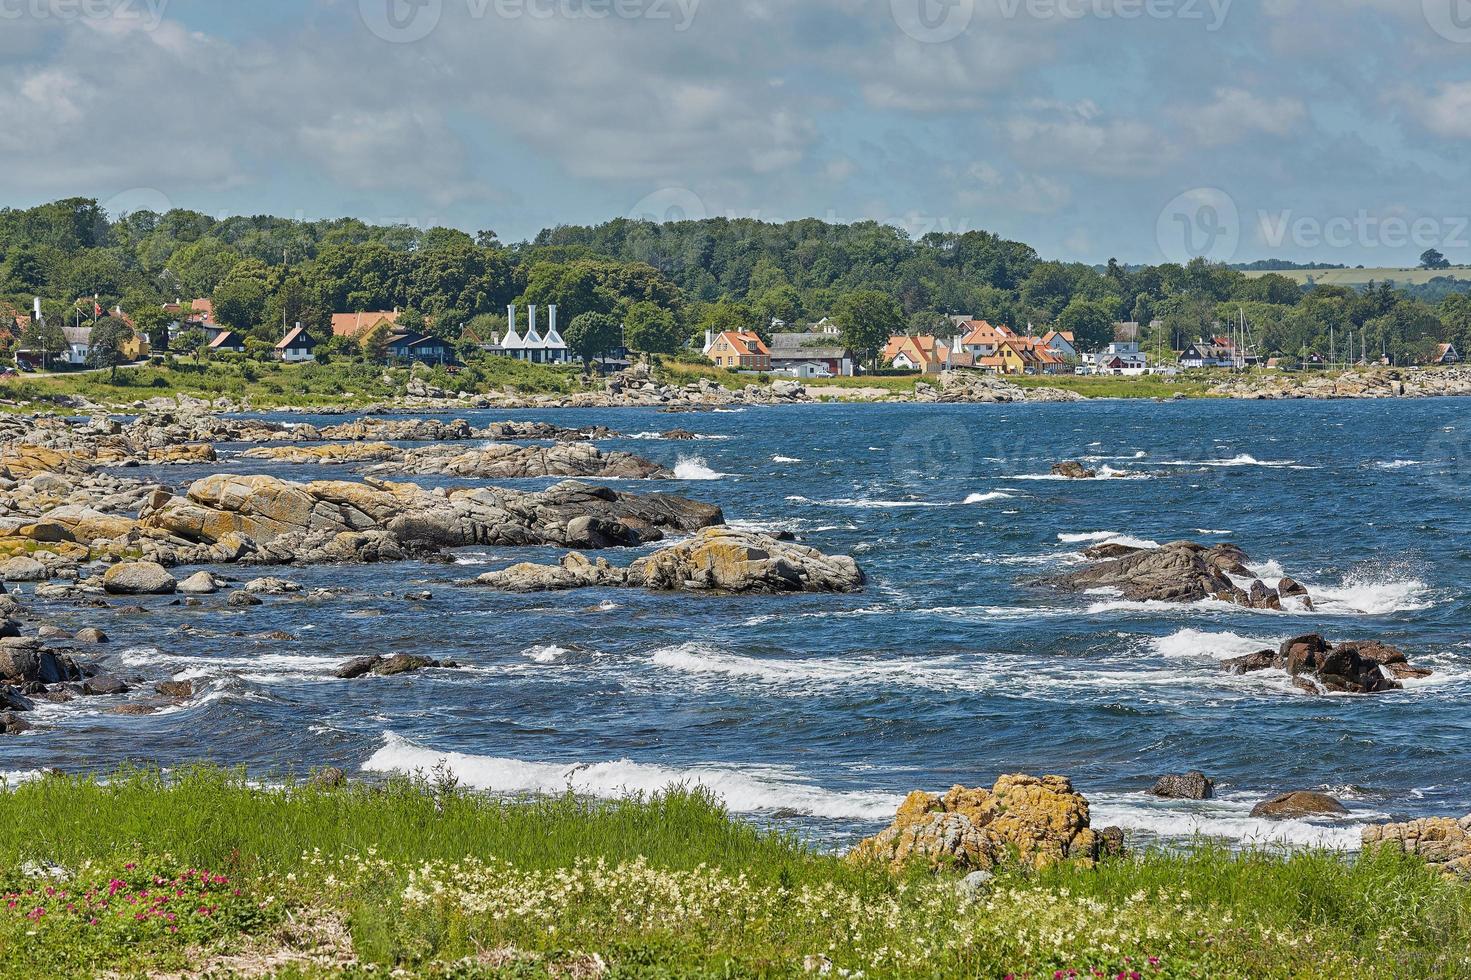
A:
1311,130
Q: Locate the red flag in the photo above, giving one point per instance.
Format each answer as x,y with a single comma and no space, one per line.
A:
96,310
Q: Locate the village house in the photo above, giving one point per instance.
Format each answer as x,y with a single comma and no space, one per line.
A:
1120,358
356,326
297,346
1061,343
227,341
198,314
533,346
738,350
419,347
810,355
923,353
1446,354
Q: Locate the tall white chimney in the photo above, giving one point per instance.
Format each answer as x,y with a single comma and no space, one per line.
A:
531,319
552,318
37,307
510,319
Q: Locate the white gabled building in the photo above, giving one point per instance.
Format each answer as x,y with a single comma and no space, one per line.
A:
532,345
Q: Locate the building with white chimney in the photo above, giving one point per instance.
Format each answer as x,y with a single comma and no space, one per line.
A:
534,345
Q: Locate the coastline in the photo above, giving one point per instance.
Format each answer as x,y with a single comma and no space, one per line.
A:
640,389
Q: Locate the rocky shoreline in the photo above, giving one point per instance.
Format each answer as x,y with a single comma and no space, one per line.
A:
639,387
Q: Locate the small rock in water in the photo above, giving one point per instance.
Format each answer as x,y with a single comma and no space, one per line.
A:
1302,803
91,635
272,586
175,689
12,724
418,596
1073,470
200,583
104,685
239,599
1194,785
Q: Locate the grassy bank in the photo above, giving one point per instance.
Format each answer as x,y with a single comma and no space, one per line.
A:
203,871
271,385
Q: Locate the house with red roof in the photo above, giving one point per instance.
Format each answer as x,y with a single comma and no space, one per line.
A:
739,350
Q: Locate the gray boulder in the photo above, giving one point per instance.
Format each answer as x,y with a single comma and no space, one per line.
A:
1302,803
139,578
1192,785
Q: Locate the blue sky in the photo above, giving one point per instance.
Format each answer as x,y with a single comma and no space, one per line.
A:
1328,130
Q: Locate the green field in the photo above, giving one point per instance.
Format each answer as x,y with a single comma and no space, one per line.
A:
1360,277
206,871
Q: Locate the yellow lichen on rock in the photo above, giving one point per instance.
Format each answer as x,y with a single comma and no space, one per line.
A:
1038,821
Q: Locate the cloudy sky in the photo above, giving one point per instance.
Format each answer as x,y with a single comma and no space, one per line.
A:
1330,130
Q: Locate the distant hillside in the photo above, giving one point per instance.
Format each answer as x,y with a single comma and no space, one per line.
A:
1362,277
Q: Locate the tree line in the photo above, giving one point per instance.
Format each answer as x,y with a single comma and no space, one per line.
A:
663,285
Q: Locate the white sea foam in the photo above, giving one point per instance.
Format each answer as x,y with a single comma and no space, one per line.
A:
1243,459
1205,530
1372,594
1228,819
546,654
745,789
986,498
694,468
785,459
1192,644
699,436
1398,464
1108,537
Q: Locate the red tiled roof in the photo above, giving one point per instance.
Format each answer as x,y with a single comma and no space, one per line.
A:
355,325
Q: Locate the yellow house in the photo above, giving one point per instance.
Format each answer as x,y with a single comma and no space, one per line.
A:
739,350
1008,359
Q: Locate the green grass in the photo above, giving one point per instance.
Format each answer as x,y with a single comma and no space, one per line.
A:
419,875
273,385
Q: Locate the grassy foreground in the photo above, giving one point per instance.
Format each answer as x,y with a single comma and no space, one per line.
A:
203,872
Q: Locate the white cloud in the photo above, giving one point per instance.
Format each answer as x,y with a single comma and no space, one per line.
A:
1080,137
1235,113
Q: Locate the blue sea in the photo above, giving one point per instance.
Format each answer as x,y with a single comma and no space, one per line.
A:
816,714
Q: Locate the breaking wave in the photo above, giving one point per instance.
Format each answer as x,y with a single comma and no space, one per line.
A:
744,789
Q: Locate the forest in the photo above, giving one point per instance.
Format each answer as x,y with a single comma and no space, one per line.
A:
669,282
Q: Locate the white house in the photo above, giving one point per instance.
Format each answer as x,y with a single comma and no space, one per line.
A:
1118,358
78,344
538,348
1061,343
296,346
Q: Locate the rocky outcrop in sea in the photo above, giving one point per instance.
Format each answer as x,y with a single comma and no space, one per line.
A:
718,559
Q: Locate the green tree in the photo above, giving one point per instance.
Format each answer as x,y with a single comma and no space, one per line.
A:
1089,321
43,337
1432,259
650,329
867,319
194,342
105,347
240,304
590,335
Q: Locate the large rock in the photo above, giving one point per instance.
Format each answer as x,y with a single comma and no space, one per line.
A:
401,430
1319,667
200,583
268,520
329,454
1443,842
1193,785
1038,821
139,578
502,461
718,559
1303,803
1182,571
23,568
1073,471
